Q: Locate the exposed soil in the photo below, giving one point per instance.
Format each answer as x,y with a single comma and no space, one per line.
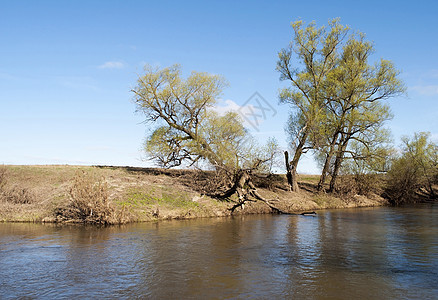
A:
39,193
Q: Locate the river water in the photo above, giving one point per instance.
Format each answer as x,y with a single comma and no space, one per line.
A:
376,253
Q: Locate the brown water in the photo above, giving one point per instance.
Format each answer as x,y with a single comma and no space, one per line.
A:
381,253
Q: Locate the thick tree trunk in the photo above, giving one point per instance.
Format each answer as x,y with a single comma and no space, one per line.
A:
338,163
291,167
326,167
291,174
324,172
335,173
288,173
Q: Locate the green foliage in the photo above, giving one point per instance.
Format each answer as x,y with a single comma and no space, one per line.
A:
227,138
415,171
371,155
182,107
187,128
355,90
337,96
306,63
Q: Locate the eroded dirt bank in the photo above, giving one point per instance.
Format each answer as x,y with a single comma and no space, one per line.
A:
45,194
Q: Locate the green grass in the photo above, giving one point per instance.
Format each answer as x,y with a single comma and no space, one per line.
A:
309,178
162,197
327,201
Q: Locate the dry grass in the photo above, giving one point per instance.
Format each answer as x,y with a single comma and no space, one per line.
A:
90,202
313,179
3,177
12,193
18,195
361,184
108,195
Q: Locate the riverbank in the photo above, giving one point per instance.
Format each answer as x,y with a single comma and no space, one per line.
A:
126,194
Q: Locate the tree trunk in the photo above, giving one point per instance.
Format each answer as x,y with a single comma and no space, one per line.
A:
324,172
338,162
335,173
291,174
326,167
288,171
292,166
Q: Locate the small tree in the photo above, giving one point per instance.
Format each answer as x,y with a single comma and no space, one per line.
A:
415,171
188,131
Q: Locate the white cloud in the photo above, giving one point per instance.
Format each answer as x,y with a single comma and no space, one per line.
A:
112,65
251,115
230,105
427,90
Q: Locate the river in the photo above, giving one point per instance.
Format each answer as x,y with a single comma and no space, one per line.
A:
370,253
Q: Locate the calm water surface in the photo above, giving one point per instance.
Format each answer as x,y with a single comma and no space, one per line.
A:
380,253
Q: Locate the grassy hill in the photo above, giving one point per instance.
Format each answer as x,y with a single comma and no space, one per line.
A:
110,195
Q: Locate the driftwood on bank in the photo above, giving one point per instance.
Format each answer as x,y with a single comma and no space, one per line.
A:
247,192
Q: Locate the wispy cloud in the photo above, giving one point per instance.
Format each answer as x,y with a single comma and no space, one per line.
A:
226,106
427,90
112,65
252,115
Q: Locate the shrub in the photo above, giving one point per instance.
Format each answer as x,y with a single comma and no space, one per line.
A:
18,195
89,201
13,194
403,182
269,181
3,178
360,184
413,174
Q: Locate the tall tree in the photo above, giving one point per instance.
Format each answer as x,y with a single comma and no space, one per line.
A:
306,63
355,91
187,131
336,96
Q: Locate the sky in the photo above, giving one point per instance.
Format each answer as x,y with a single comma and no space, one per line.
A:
67,68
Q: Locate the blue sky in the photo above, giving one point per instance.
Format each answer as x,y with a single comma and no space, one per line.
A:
67,67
